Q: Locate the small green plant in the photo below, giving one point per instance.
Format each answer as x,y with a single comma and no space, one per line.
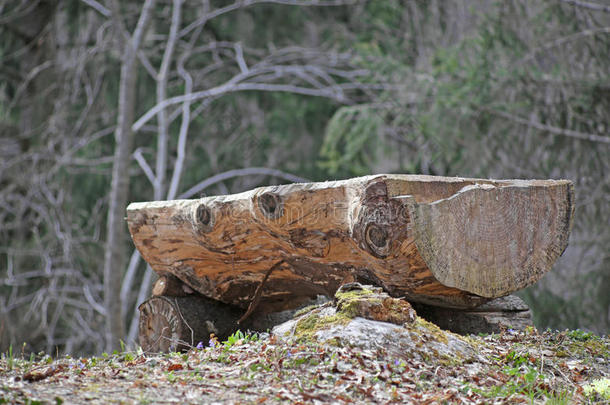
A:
258,366
128,356
598,388
238,338
563,397
10,360
517,359
581,335
222,358
143,400
525,382
171,377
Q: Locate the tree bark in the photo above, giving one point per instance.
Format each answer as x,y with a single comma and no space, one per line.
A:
449,242
119,188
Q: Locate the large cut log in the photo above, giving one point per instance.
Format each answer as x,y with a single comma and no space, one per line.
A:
452,242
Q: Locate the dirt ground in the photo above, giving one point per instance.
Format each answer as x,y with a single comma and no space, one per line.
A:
512,367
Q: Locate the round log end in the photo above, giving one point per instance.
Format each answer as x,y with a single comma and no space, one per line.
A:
493,240
180,323
171,286
161,328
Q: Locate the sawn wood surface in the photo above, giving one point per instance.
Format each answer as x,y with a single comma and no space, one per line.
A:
453,242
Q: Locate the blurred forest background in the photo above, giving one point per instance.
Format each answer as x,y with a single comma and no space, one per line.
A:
104,102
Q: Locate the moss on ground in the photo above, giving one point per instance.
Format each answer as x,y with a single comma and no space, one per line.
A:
436,332
309,324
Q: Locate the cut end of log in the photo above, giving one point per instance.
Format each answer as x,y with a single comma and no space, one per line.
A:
160,328
492,240
170,286
180,323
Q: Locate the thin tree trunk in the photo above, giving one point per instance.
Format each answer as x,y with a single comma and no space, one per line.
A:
113,255
162,118
163,121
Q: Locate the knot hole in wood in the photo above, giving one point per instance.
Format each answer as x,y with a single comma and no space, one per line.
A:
377,239
204,218
271,205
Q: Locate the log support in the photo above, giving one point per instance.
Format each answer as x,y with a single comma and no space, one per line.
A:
180,322
170,286
492,317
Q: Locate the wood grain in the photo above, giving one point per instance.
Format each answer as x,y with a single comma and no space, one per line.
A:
453,242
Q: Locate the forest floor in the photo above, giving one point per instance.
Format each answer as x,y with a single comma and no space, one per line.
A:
512,367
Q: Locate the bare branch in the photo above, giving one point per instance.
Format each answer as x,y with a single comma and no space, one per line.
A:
184,126
31,75
137,154
250,171
244,3
138,33
239,56
91,161
589,5
129,278
549,128
231,87
162,120
562,40
99,308
147,65
98,7
18,13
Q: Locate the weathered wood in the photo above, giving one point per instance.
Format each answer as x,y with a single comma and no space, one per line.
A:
502,313
180,323
170,286
452,242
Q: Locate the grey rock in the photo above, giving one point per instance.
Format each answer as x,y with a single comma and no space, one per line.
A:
420,339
